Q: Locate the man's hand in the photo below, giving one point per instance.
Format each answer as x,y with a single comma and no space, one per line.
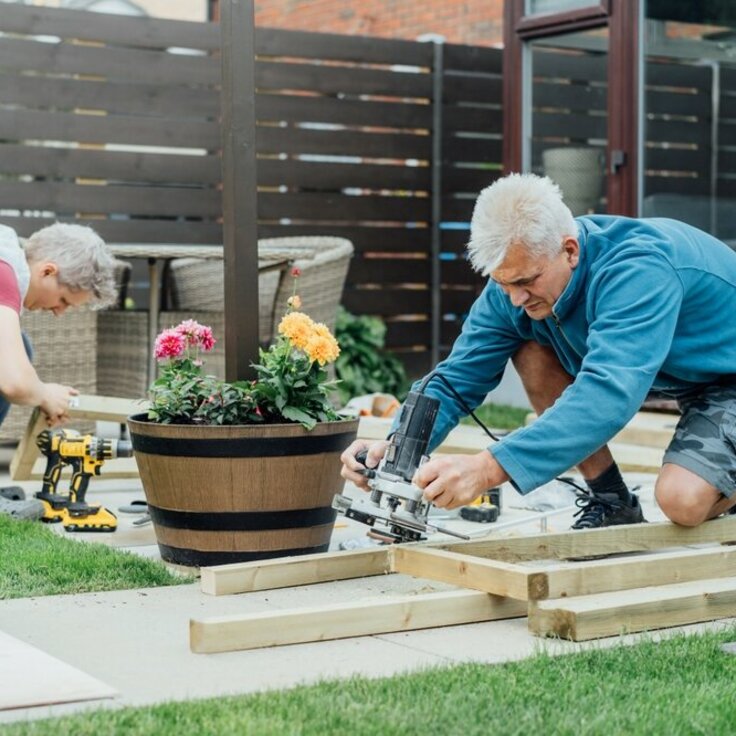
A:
55,402
457,480
351,467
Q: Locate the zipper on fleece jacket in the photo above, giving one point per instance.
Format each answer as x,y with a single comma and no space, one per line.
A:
556,320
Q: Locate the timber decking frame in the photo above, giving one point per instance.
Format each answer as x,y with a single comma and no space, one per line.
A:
542,575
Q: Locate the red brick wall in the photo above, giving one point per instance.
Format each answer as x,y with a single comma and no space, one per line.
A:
478,22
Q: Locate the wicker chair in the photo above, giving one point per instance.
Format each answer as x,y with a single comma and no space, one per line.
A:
196,287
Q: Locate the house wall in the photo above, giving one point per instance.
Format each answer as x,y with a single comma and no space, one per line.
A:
478,22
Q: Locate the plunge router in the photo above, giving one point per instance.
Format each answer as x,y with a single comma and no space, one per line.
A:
394,501
86,455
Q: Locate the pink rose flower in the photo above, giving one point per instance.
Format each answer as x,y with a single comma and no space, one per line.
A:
169,344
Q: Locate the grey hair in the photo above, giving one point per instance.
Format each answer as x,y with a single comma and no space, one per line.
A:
519,208
83,260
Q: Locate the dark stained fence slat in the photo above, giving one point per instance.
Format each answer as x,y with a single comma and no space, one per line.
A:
457,210
466,88
472,150
668,74
677,131
128,231
386,301
145,32
459,301
727,162
299,44
389,271
17,125
417,363
109,61
726,188
325,175
728,78
727,134
673,103
454,241
464,179
300,108
570,96
576,126
337,79
676,185
405,333
114,97
460,272
143,200
472,58
583,67
308,205
68,163
473,119
674,159
295,140
728,106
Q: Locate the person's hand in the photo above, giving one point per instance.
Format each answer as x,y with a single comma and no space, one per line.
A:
55,403
457,480
351,467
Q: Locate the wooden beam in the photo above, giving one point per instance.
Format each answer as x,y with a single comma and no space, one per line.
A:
490,576
595,542
283,573
26,464
642,609
599,576
358,618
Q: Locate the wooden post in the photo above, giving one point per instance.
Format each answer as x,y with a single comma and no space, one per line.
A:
239,193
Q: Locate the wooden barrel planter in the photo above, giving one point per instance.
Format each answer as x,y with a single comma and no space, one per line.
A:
233,494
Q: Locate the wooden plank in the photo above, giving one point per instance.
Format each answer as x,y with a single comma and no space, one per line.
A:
331,80
113,97
378,113
595,542
643,609
386,302
106,408
678,131
328,175
340,47
600,576
17,125
140,200
389,270
553,94
459,57
472,118
471,88
573,125
146,32
475,150
151,168
584,67
304,570
668,74
121,63
273,140
687,185
340,621
490,576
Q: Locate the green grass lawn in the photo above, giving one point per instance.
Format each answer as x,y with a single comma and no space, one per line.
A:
36,561
684,685
498,416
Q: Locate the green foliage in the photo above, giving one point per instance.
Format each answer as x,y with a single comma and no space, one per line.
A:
291,386
498,416
680,685
364,367
36,561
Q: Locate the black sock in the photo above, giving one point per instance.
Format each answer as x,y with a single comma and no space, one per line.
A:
610,482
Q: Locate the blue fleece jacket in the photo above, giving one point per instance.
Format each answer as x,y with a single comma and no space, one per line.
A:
650,306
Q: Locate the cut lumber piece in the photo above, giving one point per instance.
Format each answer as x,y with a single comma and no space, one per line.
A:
490,576
26,463
599,576
244,577
340,621
592,542
628,611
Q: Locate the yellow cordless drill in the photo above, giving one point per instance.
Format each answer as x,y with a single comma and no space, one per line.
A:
85,454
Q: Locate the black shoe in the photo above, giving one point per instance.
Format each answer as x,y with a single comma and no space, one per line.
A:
607,510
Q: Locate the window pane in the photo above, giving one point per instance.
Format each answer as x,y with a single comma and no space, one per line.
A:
569,122
534,7
689,166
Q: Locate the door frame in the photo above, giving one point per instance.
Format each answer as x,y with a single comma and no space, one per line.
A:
622,18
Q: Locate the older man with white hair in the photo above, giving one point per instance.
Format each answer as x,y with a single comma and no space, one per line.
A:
58,267
596,313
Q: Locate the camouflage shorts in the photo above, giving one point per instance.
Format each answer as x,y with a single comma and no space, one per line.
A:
705,437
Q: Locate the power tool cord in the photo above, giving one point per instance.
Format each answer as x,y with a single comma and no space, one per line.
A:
434,374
